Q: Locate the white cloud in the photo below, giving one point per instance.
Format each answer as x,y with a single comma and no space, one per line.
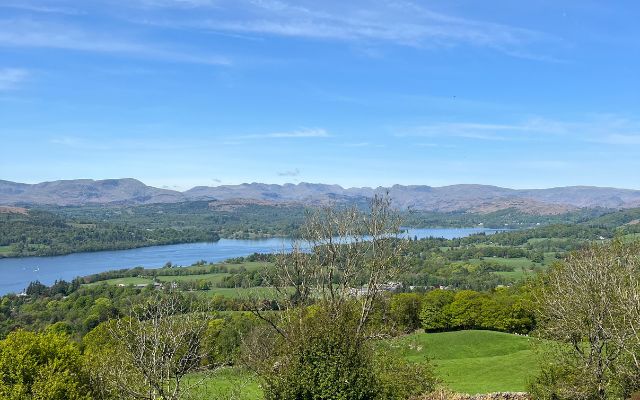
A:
10,78
177,3
366,23
78,143
290,173
606,129
300,133
479,131
620,139
38,34
357,144
39,8
399,23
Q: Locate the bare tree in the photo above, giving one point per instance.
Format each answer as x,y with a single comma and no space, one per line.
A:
343,255
155,346
591,302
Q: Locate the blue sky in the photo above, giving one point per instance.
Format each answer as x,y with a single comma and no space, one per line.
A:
180,93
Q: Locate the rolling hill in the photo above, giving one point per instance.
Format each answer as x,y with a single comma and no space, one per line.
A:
469,198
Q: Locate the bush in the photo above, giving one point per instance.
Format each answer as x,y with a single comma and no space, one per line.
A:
321,356
321,360
398,379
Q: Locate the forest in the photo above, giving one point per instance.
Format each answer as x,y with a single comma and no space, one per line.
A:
62,230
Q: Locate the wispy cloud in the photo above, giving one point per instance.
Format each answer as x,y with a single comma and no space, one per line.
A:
39,8
365,23
177,3
39,34
398,22
467,130
10,78
606,129
290,173
357,144
78,143
620,139
300,133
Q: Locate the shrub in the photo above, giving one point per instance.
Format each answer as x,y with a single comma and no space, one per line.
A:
320,356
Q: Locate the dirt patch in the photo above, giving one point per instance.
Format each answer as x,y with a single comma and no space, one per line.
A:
13,210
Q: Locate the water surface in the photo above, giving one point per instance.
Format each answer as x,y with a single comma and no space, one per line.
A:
16,273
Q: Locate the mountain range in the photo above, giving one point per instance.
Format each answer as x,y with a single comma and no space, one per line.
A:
470,198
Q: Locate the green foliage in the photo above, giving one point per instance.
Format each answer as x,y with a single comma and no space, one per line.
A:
466,310
508,218
432,315
62,230
149,353
320,359
41,366
588,305
399,379
321,356
42,233
503,309
238,221
224,337
227,384
76,313
404,311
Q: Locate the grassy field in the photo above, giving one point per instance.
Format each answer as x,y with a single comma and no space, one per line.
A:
227,383
5,250
522,267
124,281
630,237
259,292
466,361
473,361
214,278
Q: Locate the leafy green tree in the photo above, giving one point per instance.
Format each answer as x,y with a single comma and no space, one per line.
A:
319,345
41,366
101,311
147,354
318,358
224,337
433,314
404,310
465,312
589,306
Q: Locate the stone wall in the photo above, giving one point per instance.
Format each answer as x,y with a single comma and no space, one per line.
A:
446,395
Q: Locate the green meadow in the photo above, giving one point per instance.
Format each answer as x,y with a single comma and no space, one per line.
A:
473,361
465,361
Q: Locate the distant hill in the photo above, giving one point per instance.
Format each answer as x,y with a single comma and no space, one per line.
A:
470,198
85,191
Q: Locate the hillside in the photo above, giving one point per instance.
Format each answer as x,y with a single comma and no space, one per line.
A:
85,191
467,198
474,361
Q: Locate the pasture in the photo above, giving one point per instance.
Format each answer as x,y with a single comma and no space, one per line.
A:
473,361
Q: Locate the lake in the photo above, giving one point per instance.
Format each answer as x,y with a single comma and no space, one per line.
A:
17,273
